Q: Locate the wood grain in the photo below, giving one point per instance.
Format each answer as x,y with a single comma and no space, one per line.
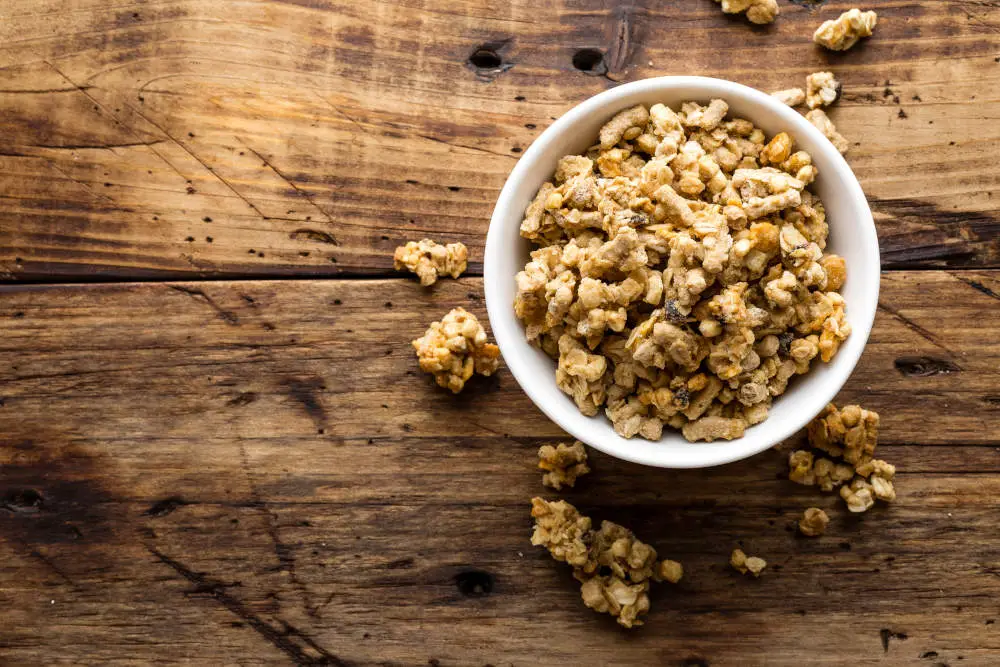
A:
255,473
233,138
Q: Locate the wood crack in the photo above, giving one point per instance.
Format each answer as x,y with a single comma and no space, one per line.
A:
304,651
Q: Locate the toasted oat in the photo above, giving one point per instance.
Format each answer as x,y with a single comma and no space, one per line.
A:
793,97
850,432
680,279
744,564
429,260
563,462
822,89
813,523
844,32
668,570
757,11
823,123
613,566
455,348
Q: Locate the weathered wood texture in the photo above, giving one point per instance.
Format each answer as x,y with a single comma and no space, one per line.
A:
215,138
255,473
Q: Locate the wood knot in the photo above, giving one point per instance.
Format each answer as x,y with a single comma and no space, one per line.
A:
925,366
475,583
591,62
24,501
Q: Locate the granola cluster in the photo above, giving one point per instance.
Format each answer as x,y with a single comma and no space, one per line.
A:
680,277
747,564
613,567
822,90
562,464
843,32
429,260
757,11
847,439
813,522
455,348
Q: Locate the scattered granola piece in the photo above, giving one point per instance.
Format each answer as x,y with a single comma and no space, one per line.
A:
455,348
844,32
813,523
793,97
429,260
612,565
564,463
850,432
822,89
744,564
823,123
757,11
859,495
800,468
560,529
668,570
679,278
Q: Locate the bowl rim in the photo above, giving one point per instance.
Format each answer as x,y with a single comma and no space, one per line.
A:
598,104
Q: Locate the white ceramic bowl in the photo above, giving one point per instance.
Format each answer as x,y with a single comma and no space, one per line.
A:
852,235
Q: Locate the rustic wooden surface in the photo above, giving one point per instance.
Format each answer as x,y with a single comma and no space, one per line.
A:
238,470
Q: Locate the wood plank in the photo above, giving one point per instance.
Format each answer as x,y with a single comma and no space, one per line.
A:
255,473
215,138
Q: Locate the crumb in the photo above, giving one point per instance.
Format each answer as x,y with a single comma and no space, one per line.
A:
668,570
844,32
429,260
814,522
455,348
747,564
563,463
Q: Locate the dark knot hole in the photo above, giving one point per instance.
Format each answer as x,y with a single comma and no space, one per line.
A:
475,583
485,58
590,61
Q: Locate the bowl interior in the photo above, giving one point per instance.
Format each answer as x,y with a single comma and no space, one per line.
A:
852,235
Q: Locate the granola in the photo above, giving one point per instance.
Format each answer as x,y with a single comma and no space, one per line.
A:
757,11
429,260
612,565
455,348
823,123
822,89
747,564
563,464
848,436
814,522
793,97
844,32
680,277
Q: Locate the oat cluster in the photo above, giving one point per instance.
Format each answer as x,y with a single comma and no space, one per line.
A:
813,522
563,464
455,348
747,564
822,89
843,32
680,277
757,11
429,260
847,439
823,123
613,567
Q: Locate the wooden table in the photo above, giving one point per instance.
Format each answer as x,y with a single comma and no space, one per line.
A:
216,447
